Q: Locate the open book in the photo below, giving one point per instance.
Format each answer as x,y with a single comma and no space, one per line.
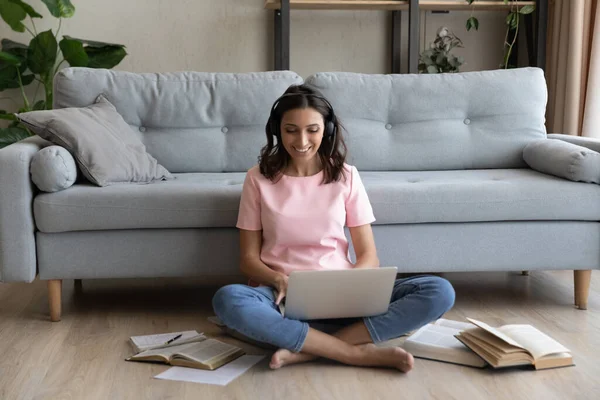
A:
436,341
512,345
157,341
206,354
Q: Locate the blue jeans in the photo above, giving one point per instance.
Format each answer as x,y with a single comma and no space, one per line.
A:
252,312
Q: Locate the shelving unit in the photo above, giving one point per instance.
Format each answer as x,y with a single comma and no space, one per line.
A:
281,9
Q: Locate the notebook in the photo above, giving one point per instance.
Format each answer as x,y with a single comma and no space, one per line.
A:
437,341
157,341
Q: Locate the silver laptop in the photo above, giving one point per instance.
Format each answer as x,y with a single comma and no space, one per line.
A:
339,293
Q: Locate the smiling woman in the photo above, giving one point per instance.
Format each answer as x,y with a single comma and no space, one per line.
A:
294,209
302,137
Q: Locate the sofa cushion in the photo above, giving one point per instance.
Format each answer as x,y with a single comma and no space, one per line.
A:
104,146
410,122
478,195
212,200
190,200
53,169
189,121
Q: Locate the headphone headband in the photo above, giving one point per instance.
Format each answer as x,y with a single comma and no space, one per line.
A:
276,103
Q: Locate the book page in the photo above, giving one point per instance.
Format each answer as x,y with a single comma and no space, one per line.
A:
495,332
166,352
147,342
536,342
492,340
438,342
454,324
204,351
436,335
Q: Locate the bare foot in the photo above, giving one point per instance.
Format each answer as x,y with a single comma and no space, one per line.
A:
394,357
283,357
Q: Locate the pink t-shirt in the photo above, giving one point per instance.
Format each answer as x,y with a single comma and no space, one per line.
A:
302,220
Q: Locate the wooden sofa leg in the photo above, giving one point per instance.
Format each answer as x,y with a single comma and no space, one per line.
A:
54,298
582,287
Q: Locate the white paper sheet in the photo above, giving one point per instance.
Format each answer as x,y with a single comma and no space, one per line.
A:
221,376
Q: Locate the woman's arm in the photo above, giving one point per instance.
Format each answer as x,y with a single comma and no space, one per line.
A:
364,246
252,266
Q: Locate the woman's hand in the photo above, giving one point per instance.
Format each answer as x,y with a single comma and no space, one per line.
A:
280,284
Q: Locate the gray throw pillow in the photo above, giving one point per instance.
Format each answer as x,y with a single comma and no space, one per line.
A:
563,159
104,146
53,169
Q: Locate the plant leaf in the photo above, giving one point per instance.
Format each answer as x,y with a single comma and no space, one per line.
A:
8,45
527,9
18,50
27,8
60,8
7,116
432,69
41,54
39,105
105,57
13,14
472,22
8,77
470,1
11,135
27,79
74,52
92,43
10,58
512,19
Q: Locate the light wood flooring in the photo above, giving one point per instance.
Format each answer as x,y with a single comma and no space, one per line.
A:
82,357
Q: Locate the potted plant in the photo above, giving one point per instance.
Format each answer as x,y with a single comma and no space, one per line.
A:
437,58
37,62
512,26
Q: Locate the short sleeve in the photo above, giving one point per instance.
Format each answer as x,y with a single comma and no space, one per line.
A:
249,212
358,208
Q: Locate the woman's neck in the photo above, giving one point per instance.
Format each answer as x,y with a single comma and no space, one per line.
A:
309,169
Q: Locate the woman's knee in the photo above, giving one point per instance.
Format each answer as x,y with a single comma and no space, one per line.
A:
225,298
444,295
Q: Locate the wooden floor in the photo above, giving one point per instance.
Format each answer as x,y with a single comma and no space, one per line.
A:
82,357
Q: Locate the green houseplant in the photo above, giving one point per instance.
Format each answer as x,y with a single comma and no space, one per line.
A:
37,62
512,26
437,58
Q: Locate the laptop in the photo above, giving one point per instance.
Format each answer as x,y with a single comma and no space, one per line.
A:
339,293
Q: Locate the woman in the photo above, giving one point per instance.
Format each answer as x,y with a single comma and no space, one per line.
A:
293,210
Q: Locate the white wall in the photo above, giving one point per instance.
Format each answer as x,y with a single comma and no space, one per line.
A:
236,36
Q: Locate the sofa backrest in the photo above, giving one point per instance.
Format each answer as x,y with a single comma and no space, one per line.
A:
438,122
189,121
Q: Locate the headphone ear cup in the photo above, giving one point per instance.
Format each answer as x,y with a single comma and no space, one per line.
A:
273,127
329,129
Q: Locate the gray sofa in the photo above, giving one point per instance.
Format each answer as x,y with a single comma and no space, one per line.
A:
441,157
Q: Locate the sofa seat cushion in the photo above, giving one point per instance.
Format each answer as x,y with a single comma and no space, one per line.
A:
191,200
478,195
197,200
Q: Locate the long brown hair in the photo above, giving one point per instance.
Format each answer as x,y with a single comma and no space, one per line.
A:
274,158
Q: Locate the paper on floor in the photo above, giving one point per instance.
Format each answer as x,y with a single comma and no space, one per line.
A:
221,376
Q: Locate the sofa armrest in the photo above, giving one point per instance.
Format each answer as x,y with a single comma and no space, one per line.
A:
590,143
17,228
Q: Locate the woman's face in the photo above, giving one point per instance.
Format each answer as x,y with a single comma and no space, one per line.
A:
302,133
